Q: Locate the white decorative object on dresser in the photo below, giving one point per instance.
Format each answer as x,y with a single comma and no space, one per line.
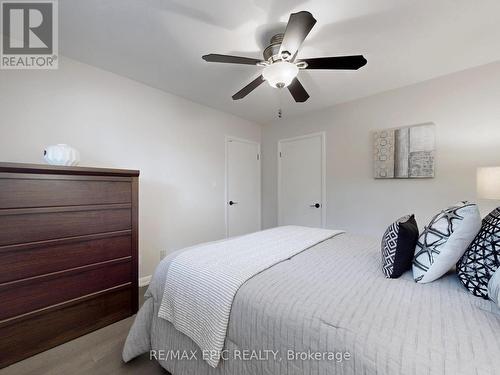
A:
61,154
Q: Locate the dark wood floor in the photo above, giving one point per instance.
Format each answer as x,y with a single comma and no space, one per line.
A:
98,353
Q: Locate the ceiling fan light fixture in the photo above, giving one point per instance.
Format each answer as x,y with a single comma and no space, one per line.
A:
280,74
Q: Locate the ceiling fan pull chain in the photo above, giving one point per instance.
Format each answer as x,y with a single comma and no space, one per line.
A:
280,106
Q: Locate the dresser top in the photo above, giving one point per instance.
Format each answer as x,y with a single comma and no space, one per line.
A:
55,169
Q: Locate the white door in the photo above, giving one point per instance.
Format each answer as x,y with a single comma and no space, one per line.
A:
242,187
301,181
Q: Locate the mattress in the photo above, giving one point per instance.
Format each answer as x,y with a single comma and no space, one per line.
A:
330,310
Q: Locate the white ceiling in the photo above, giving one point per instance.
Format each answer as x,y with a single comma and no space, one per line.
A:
160,43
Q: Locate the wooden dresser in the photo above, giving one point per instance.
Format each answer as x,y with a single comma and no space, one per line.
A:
68,254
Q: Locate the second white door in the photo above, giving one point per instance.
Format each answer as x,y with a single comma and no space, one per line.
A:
301,181
242,187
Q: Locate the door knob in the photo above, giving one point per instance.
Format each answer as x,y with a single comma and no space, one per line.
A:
231,203
316,205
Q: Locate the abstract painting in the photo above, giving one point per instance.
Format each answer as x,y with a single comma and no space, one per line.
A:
406,152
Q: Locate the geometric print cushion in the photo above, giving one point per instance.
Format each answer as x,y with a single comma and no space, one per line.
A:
444,241
482,258
398,246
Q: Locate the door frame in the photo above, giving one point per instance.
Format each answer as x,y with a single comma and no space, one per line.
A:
229,138
323,173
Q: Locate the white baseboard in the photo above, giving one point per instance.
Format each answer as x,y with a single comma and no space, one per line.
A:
144,281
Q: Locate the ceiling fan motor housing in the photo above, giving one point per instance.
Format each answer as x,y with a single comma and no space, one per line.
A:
271,53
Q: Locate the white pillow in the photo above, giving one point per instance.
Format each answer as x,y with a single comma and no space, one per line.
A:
444,241
494,288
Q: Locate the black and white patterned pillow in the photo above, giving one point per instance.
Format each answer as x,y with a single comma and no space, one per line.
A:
444,241
482,258
398,246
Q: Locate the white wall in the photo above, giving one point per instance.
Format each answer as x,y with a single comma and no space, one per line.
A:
115,122
466,109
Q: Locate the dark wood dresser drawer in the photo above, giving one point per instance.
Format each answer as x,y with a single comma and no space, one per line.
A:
68,254
38,332
28,260
26,295
21,191
40,224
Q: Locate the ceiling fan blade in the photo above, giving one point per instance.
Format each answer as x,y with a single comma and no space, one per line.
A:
298,91
214,57
338,62
299,25
248,88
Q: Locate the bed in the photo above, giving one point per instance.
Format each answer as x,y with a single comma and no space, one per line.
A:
330,310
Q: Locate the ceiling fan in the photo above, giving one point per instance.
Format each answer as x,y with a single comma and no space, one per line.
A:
280,64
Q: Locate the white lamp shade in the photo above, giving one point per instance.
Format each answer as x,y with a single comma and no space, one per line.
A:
488,183
280,74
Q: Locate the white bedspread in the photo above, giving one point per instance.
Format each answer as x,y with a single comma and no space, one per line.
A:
202,282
